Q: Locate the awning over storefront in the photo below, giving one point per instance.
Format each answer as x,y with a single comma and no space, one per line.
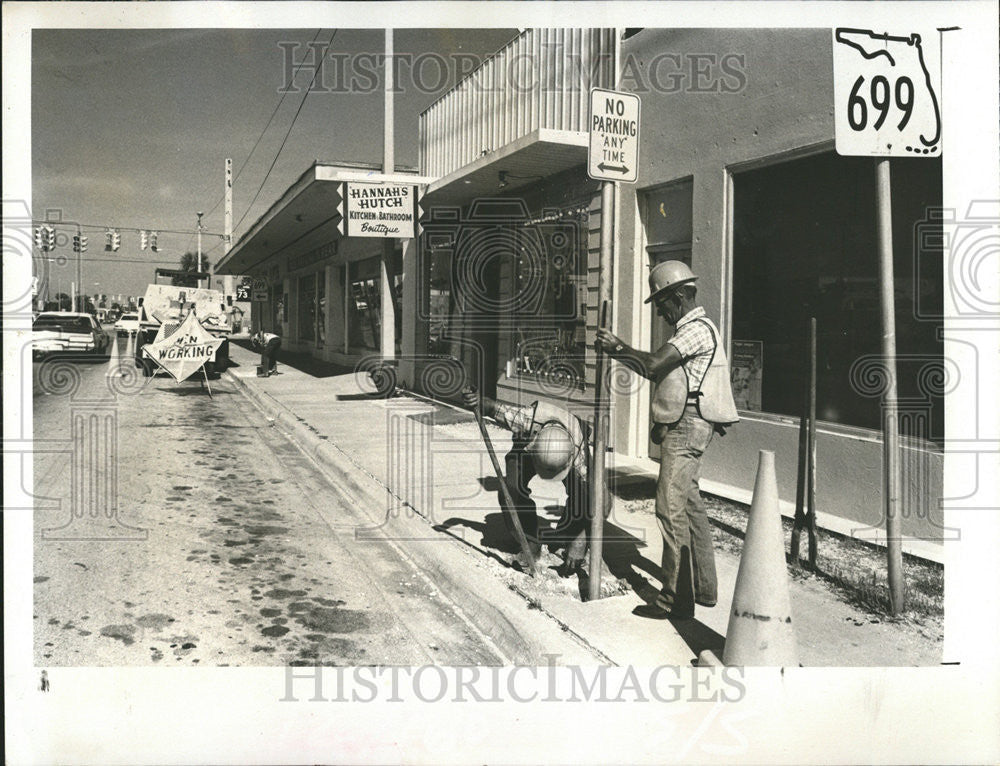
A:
526,160
305,217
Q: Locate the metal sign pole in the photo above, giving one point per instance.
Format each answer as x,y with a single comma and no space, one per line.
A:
602,398
890,428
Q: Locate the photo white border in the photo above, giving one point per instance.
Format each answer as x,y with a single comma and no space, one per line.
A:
233,715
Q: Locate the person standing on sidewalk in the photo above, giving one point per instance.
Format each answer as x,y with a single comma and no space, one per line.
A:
692,399
550,442
269,345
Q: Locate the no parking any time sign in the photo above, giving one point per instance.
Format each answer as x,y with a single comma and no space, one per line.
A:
614,136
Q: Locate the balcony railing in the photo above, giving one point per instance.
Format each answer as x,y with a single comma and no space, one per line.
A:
540,79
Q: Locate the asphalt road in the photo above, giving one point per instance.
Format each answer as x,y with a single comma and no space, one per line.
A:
177,528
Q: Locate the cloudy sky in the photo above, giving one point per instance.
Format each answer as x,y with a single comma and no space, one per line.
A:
131,128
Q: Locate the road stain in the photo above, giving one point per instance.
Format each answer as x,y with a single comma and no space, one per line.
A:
263,530
274,631
156,621
270,612
241,560
123,633
282,593
41,579
181,487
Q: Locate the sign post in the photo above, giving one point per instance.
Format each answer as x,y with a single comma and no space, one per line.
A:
886,105
613,156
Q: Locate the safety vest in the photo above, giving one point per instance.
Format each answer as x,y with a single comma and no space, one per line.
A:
713,398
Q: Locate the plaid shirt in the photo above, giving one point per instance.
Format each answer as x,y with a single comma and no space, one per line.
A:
696,345
521,421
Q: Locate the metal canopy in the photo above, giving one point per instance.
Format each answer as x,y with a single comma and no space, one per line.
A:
304,218
527,160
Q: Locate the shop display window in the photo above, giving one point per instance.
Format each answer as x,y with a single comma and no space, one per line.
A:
307,307
364,304
320,309
804,245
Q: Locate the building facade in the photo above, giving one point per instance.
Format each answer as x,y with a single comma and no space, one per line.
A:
738,177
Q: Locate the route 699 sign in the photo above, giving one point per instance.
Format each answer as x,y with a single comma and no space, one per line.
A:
887,93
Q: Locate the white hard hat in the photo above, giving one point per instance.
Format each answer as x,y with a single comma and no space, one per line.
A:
552,450
668,274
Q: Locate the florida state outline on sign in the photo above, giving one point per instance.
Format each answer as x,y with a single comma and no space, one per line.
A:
886,90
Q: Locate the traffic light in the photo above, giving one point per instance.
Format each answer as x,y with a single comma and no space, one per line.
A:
83,244
143,239
152,241
76,243
109,241
45,238
116,240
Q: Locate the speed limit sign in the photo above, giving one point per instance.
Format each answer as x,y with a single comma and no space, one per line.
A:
887,93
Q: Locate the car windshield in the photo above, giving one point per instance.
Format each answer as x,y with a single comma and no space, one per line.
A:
127,317
67,324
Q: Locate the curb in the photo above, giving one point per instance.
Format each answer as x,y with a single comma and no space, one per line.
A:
508,630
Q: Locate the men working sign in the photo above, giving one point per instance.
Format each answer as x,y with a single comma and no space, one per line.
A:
185,350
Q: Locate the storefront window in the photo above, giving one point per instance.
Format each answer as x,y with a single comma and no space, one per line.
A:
307,307
321,309
804,245
364,304
551,345
507,285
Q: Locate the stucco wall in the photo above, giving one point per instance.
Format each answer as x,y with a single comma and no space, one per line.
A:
781,105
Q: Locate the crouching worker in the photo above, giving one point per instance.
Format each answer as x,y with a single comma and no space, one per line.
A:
550,442
269,345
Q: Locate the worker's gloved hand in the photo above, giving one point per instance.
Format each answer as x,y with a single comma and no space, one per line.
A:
470,398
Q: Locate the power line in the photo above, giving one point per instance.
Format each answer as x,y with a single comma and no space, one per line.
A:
285,91
302,103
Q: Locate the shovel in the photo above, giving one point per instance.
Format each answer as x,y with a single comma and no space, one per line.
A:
507,506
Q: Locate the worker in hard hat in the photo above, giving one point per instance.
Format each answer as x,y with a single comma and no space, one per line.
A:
692,399
550,442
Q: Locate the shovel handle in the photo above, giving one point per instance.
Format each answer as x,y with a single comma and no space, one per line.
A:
508,504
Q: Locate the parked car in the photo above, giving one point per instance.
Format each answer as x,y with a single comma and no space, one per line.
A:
127,323
66,331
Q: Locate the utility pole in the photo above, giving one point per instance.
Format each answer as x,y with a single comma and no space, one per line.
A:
229,205
199,247
388,281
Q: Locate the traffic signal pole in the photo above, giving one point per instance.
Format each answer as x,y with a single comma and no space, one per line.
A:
79,267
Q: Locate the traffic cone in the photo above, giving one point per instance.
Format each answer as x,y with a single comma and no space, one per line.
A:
114,361
760,629
130,348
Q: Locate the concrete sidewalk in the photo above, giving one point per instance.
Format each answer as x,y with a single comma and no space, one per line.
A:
423,459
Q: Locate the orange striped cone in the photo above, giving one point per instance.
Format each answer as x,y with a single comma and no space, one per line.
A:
760,624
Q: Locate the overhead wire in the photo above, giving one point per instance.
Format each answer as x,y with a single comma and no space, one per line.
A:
285,91
298,111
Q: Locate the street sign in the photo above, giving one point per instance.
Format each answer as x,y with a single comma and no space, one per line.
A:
614,136
242,292
381,210
886,93
259,289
